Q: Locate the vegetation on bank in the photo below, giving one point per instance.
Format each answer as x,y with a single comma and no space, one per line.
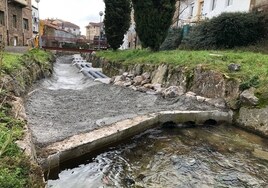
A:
254,66
16,169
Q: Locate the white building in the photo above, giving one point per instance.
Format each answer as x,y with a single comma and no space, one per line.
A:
192,11
35,20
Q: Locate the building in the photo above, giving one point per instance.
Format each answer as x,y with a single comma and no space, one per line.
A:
93,30
15,22
35,20
192,11
53,34
67,26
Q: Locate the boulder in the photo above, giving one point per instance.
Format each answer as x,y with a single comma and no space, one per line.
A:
137,80
146,81
234,67
128,83
247,97
254,119
219,103
172,91
146,75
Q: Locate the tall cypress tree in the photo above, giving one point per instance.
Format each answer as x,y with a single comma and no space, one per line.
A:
153,19
116,21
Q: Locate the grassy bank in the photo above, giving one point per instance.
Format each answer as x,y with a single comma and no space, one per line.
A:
254,66
16,169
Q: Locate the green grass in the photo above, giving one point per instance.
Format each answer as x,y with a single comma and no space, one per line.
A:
16,170
252,64
11,61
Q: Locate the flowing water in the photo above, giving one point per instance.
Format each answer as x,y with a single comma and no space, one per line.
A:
199,157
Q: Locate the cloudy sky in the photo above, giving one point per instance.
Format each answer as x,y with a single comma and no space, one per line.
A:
79,12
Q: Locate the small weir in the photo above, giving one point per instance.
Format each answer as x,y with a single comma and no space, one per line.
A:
95,135
208,156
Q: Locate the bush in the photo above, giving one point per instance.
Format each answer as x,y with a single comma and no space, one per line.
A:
172,40
227,31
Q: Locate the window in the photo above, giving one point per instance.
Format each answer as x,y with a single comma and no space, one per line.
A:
201,8
2,18
213,4
14,21
192,9
229,2
25,24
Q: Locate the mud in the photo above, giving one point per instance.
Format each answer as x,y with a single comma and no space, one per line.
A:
68,103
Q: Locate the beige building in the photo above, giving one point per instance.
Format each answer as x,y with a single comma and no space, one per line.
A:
15,22
93,30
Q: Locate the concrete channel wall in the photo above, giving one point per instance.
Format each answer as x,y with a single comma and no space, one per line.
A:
79,145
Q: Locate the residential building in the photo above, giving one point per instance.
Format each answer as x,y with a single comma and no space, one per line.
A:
67,26
94,30
53,34
192,11
35,20
15,22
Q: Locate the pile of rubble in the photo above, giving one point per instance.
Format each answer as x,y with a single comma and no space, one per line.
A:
143,83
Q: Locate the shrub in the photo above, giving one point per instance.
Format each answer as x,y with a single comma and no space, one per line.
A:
153,19
227,31
172,40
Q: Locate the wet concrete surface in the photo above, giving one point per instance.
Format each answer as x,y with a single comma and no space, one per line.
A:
68,103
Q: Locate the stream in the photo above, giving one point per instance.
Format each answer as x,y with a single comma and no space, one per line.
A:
196,157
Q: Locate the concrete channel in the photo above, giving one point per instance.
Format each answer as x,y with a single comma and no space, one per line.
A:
70,116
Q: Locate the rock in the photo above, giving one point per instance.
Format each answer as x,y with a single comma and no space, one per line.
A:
118,78
191,95
146,81
142,89
254,119
112,80
172,91
133,88
125,74
234,67
149,86
156,86
219,103
137,80
160,73
128,83
247,97
146,75
130,75
119,83
151,92
200,98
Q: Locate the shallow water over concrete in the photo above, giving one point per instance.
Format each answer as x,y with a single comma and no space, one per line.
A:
221,156
66,76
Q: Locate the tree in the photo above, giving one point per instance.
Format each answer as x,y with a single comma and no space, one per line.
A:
116,21
153,19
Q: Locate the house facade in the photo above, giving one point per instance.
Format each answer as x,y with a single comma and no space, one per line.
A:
192,11
93,30
15,22
35,20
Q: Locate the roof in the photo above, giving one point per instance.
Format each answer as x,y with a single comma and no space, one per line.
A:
94,24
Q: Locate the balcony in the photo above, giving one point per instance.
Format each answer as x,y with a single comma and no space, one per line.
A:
22,3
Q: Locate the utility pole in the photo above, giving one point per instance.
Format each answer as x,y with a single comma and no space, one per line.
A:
101,14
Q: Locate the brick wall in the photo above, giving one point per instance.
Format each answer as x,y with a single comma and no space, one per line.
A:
16,33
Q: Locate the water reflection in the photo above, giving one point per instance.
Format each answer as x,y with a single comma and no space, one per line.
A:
221,156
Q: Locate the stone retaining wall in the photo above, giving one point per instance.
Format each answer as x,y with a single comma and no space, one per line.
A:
201,81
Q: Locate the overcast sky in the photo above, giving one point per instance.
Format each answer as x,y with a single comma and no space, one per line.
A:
79,12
